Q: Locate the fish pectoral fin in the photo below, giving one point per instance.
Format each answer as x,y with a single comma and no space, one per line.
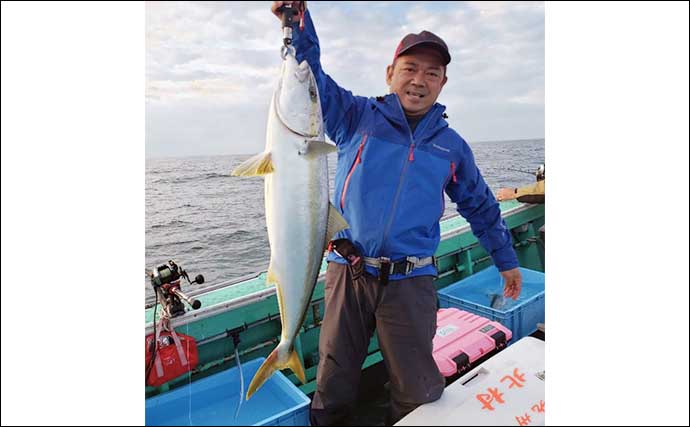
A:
314,148
271,278
336,223
257,165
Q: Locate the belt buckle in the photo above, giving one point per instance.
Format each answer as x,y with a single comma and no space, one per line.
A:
409,266
410,263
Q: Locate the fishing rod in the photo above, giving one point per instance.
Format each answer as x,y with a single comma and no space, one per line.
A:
539,173
165,280
519,170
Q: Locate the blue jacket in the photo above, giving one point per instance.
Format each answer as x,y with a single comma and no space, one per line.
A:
389,181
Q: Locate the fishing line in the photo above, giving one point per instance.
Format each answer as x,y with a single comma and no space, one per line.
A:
189,384
239,367
154,342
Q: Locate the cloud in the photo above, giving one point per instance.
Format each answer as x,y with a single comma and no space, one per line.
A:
221,59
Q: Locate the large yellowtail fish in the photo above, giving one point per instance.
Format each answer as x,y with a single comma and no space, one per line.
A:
299,217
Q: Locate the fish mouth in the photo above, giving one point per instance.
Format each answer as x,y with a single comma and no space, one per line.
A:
302,72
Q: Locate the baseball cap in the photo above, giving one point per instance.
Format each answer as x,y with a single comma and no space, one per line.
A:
424,38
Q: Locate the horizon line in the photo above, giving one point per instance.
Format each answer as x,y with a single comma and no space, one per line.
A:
157,157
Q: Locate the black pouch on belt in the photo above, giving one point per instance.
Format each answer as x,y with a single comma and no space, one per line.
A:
347,250
384,272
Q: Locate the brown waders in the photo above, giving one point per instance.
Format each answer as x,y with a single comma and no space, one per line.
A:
403,312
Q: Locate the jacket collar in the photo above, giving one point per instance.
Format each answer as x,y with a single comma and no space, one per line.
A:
429,125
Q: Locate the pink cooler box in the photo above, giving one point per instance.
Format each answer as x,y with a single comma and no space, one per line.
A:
462,338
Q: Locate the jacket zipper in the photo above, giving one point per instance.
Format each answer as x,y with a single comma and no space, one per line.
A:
358,160
410,158
397,193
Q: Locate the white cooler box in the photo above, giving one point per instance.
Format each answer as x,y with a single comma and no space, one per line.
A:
507,389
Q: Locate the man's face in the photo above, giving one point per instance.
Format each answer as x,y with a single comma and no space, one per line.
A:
417,77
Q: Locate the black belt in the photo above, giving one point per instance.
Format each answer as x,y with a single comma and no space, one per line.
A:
346,249
404,266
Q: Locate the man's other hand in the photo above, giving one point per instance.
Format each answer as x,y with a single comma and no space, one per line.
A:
513,283
505,194
276,5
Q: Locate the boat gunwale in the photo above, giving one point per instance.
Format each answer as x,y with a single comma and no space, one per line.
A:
244,300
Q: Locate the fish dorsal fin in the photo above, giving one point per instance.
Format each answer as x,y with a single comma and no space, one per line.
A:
336,223
314,148
257,165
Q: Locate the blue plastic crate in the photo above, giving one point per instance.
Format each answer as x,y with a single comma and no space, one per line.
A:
475,294
213,401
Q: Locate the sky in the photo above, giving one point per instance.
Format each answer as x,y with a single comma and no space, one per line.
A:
211,66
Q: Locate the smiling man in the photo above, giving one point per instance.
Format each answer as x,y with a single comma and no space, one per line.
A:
396,157
418,72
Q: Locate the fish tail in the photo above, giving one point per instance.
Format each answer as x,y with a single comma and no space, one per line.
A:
270,365
296,366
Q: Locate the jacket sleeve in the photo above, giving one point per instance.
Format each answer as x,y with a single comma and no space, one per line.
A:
533,193
476,203
342,110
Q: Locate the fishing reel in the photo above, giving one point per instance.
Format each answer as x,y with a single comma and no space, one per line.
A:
165,280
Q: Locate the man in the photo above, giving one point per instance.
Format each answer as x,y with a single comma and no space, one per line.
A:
396,156
533,193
